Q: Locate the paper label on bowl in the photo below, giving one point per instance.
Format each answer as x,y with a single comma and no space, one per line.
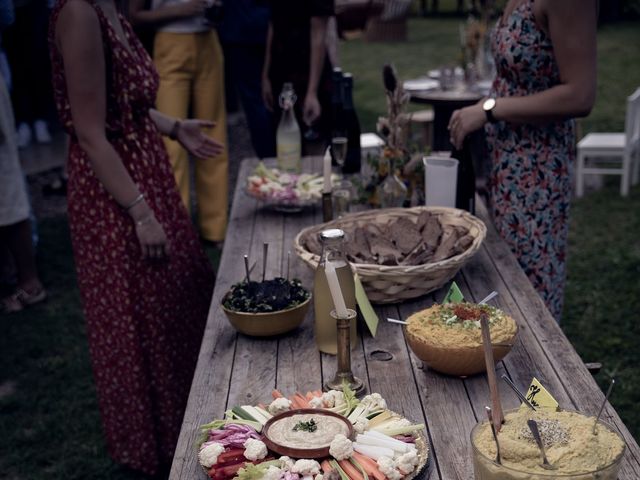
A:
368,313
538,396
454,295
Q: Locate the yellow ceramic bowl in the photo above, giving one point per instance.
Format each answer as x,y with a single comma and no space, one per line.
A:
269,323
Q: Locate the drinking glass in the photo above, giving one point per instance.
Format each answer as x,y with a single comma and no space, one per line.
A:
342,195
339,149
441,176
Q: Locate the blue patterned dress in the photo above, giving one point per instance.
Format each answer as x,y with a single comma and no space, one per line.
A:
531,173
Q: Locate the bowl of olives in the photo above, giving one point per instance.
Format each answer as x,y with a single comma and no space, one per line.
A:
270,307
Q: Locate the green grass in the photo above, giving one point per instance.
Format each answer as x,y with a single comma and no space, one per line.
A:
49,422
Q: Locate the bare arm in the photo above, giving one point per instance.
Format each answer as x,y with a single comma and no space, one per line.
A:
164,13
189,133
572,28
318,52
80,43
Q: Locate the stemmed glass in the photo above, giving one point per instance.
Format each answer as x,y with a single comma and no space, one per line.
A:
341,191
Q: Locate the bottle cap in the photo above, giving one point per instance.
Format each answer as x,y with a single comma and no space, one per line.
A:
332,234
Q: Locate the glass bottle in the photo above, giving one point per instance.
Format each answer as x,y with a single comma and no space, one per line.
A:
325,326
391,192
352,125
466,183
288,140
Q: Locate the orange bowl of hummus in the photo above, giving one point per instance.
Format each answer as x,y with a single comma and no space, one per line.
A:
448,337
569,442
304,432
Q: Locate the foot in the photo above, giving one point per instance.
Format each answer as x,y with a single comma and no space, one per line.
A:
23,135
42,131
22,298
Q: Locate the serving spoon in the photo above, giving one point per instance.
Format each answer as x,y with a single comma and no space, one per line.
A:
533,426
518,392
495,435
604,402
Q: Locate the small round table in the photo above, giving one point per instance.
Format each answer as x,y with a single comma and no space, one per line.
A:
444,103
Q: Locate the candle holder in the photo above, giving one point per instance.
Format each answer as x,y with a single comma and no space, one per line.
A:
344,373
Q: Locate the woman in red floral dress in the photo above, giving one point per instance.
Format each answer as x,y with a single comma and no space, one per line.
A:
145,282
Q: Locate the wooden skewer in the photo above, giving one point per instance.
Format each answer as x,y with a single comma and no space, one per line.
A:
496,407
265,251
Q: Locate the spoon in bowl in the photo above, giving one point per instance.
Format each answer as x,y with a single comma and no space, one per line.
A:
495,435
533,426
604,402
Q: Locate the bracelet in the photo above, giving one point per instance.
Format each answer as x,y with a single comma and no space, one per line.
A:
143,221
136,201
173,134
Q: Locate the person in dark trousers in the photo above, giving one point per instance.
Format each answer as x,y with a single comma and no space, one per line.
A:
244,33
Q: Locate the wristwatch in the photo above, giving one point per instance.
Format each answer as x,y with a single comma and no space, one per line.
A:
488,106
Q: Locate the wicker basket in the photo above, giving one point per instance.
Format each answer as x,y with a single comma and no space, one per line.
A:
392,284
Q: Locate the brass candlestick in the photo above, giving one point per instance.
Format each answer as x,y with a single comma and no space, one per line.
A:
344,373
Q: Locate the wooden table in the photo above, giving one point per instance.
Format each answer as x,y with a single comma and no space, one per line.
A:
234,369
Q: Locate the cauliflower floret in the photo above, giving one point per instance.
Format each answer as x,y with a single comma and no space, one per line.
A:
272,473
333,398
375,402
388,468
318,477
208,454
407,462
286,463
361,425
254,449
316,402
279,405
341,447
306,467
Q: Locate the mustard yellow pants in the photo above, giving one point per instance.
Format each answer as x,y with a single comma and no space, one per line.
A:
191,69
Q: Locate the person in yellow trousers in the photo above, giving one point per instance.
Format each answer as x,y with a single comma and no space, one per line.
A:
189,60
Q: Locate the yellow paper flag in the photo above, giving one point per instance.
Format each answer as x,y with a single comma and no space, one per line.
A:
538,396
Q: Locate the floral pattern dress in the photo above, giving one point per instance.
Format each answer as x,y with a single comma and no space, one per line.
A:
530,185
145,319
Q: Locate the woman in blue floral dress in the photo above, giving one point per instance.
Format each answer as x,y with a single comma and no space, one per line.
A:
545,54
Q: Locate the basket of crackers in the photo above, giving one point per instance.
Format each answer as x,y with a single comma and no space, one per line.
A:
401,253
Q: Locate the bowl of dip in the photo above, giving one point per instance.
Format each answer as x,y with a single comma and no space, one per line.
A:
570,446
304,432
448,337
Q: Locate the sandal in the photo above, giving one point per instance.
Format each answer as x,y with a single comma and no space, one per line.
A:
21,298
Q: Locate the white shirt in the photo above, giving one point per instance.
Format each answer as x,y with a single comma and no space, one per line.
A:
195,24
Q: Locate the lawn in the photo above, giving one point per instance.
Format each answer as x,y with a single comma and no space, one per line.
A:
48,410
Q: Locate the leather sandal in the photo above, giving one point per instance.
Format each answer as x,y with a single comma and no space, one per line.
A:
21,299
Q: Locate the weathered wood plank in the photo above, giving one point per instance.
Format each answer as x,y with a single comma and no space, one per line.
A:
447,409
391,372
574,376
210,385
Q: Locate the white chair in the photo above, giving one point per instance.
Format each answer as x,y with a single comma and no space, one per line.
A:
613,147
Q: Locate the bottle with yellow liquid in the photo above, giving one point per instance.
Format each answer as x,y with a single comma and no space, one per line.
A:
325,327
288,140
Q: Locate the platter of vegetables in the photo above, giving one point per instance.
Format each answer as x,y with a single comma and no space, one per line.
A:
379,444
283,190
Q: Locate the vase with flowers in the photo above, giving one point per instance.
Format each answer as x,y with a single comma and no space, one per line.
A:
395,180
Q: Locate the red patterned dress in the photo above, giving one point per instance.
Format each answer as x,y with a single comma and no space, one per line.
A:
145,319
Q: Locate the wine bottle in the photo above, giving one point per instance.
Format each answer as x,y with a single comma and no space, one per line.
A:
352,127
288,141
337,119
466,184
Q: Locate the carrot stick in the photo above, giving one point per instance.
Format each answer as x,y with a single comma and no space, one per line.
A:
350,470
276,394
295,402
317,393
326,466
302,401
309,396
369,465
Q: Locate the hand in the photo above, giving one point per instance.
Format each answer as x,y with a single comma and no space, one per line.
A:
312,108
193,8
267,93
151,235
195,142
465,121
